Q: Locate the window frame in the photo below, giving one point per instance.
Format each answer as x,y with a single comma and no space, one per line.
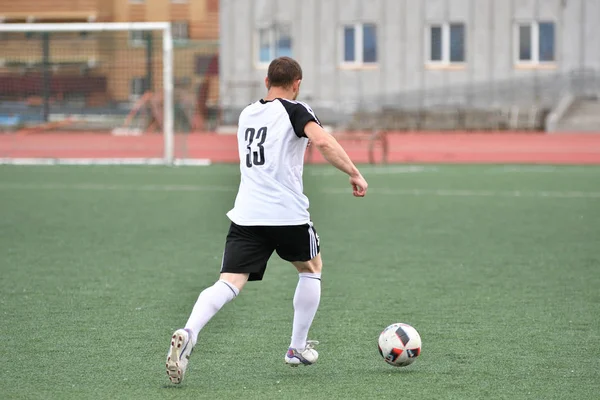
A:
446,50
176,27
358,46
273,32
535,61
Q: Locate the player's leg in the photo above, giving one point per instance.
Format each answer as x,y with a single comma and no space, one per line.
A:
245,257
306,303
302,249
212,299
306,299
209,302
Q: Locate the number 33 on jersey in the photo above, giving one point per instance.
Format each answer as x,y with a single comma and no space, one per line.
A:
254,143
271,145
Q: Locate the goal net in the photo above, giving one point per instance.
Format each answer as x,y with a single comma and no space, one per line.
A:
94,93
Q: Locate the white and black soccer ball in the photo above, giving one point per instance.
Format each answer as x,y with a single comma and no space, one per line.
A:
399,344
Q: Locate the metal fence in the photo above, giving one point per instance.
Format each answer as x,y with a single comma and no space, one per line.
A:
102,81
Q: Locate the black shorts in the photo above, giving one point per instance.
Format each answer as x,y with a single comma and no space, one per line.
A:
248,248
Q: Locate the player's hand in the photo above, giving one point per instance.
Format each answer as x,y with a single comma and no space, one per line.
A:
359,185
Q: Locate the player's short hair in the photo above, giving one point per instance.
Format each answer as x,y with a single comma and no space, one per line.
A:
283,71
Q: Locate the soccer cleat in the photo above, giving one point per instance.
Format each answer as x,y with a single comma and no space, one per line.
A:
179,354
308,356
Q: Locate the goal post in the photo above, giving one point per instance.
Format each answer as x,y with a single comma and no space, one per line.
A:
105,87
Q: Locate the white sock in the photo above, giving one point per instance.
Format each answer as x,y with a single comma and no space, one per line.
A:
306,303
209,302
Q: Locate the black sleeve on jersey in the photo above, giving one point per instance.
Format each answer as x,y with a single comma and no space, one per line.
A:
299,116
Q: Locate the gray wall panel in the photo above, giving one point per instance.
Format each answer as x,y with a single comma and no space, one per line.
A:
402,67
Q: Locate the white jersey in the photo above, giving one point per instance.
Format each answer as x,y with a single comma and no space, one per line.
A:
271,145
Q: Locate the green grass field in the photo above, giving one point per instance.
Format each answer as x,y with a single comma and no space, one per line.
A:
497,267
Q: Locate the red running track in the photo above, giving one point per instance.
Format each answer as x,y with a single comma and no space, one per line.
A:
430,147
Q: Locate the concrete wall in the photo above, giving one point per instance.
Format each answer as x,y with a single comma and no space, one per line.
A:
401,40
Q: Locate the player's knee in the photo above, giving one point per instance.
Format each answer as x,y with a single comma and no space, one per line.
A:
315,269
237,280
313,266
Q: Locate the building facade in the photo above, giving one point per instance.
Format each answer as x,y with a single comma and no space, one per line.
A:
410,53
94,69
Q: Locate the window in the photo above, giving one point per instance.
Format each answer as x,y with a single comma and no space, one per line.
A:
274,42
137,38
446,43
136,88
359,44
180,31
534,42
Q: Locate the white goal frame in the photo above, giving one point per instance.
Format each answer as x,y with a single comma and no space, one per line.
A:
167,56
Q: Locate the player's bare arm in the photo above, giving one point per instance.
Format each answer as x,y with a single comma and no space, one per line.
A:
335,154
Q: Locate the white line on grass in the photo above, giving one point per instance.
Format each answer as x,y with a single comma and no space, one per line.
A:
472,193
376,191
553,169
108,187
378,170
460,169
103,161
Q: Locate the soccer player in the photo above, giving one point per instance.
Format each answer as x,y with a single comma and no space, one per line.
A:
271,213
